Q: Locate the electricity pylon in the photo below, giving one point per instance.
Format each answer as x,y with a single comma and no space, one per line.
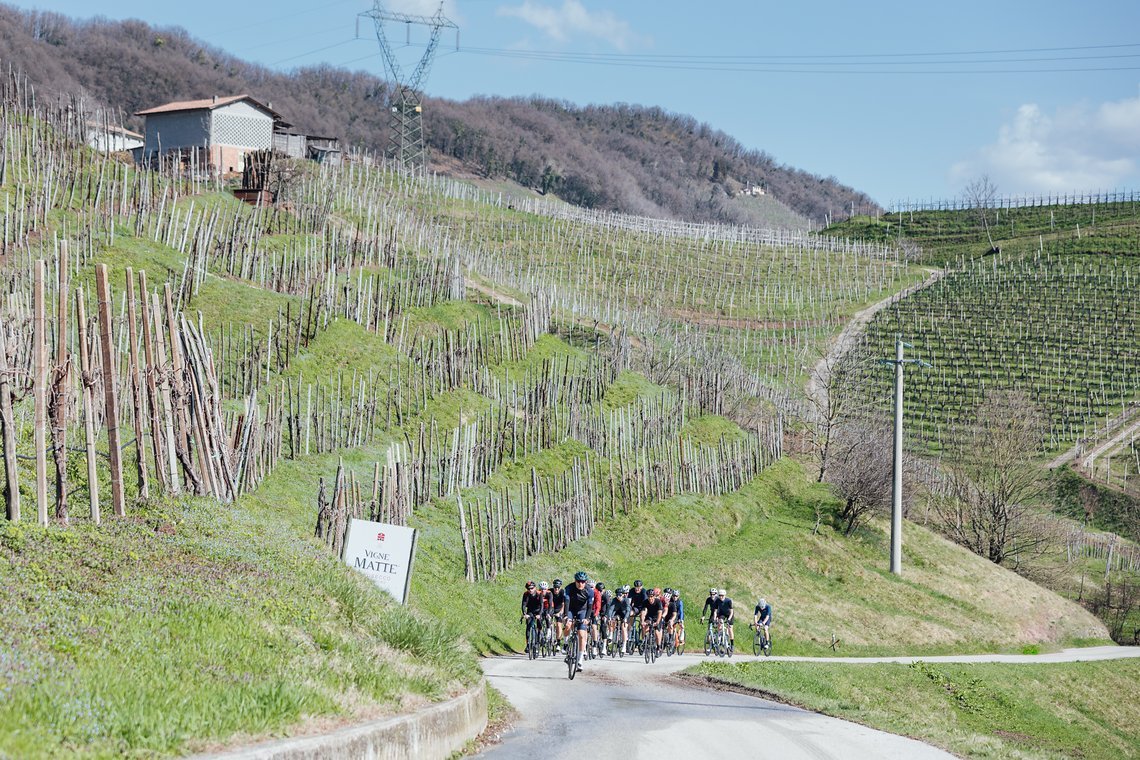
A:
406,135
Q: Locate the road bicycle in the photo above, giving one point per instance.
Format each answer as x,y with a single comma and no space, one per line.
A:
761,640
668,645
546,637
532,637
636,637
649,646
710,635
572,653
721,644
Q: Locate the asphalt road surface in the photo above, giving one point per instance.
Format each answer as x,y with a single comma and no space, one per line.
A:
627,709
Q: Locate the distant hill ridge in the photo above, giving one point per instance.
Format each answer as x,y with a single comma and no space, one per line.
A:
626,158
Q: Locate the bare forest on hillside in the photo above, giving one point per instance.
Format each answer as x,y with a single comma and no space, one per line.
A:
627,158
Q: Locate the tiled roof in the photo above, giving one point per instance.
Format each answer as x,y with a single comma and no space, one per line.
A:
205,104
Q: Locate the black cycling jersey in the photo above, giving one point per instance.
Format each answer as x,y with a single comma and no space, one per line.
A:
671,610
621,607
532,603
558,600
764,613
724,608
710,606
579,601
638,597
653,608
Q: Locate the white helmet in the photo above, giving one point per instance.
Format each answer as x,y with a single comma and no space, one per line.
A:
762,603
722,592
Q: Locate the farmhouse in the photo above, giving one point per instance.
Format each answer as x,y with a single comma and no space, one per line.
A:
109,138
215,133
296,144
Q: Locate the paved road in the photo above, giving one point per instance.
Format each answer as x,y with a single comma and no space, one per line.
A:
629,709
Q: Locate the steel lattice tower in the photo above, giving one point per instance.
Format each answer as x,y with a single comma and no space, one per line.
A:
406,135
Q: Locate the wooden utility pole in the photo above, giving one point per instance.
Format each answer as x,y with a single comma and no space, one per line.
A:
88,384
39,389
136,389
110,394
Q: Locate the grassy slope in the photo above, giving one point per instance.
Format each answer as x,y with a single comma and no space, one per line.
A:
973,710
191,623
760,541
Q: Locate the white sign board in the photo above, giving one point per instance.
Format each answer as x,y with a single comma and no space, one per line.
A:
382,552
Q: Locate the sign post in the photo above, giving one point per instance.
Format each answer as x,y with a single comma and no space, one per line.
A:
384,553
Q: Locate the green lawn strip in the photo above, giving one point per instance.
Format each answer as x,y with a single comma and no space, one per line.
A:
192,623
998,710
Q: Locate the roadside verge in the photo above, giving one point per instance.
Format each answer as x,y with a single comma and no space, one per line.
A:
438,731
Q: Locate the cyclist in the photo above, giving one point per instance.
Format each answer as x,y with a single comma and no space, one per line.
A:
710,605
579,602
547,603
605,613
531,609
637,598
669,609
725,612
679,621
558,607
653,613
762,616
621,611
673,612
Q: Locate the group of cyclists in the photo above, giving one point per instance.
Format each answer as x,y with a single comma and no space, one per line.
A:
596,615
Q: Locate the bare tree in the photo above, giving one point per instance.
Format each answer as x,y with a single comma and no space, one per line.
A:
831,400
859,471
980,193
990,479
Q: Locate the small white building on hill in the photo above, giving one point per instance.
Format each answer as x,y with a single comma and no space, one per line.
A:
216,132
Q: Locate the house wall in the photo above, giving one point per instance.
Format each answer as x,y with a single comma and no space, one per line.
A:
178,129
241,125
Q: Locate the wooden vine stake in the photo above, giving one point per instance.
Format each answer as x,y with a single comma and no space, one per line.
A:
8,423
39,389
88,382
136,389
59,400
110,392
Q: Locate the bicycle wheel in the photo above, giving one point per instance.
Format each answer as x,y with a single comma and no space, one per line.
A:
758,641
708,642
767,645
531,640
681,643
572,655
647,648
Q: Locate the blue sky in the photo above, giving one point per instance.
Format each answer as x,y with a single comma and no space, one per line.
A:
901,100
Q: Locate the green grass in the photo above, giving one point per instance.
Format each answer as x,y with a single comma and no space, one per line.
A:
760,541
191,624
994,711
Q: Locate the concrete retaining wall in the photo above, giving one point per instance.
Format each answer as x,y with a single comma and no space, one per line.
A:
434,732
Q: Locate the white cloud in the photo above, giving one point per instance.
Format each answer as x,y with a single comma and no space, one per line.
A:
1080,147
571,19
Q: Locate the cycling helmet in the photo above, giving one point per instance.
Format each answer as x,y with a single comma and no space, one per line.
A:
722,592
712,592
624,589
676,594
557,583
529,585
600,586
669,591
581,576
543,586
762,602
656,592
637,584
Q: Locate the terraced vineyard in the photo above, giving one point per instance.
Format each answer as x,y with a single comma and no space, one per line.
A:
1062,328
